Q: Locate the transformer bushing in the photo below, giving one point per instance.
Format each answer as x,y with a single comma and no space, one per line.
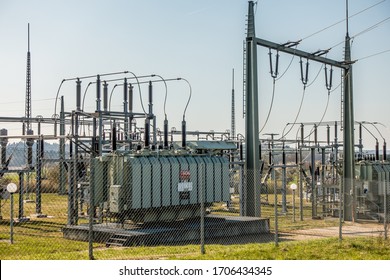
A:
30,143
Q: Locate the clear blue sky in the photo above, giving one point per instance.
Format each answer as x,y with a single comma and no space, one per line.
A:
201,41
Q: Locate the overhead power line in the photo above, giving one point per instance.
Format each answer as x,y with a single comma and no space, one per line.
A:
375,54
341,21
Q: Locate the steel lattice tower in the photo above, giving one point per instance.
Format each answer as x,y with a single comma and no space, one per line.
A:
27,112
233,121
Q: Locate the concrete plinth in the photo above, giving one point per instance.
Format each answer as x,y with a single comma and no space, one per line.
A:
169,233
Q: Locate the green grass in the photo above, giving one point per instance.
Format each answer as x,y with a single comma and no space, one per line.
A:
368,248
41,238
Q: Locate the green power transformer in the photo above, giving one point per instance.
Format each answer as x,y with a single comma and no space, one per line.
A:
159,188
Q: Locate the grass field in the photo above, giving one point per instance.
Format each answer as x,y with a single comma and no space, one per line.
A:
41,238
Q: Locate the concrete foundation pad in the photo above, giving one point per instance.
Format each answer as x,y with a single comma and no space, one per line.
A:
169,233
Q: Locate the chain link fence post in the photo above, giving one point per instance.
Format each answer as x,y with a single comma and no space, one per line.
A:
202,211
91,209
276,207
341,207
385,185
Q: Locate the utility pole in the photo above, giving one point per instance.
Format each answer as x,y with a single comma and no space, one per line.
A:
251,122
348,133
233,121
27,112
252,155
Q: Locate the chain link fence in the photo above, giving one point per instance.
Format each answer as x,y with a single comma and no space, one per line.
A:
83,206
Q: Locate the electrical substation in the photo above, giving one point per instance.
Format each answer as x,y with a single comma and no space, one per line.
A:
139,184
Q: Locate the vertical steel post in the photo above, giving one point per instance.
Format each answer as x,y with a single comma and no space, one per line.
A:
233,120
385,186
360,140
202,209
284,182
78,95
294,206
300,183
99,139
125,107
348,135
252,162
76,166
275,191
98,95
39,157
21,190
62,188
91,210
131,109
336,153
12,219
105,96
313,183
242,191
71,220
324,198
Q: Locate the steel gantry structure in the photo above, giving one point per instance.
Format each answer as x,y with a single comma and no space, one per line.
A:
252,163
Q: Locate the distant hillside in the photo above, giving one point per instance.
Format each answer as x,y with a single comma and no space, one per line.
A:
19,152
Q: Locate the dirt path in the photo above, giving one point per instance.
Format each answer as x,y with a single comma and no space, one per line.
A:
348,229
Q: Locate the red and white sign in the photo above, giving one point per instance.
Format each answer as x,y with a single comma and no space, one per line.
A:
184,175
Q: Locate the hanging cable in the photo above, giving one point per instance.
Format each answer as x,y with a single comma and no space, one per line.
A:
371,27
270,108
292,59
296,117
274,75
372,55
341,21
328,84
189,98
139,89
322,117
318,73
166,94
